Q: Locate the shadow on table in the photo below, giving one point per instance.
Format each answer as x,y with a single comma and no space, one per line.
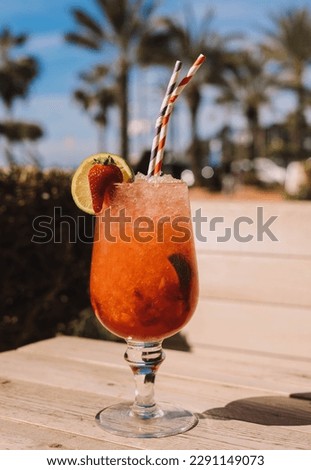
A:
294,410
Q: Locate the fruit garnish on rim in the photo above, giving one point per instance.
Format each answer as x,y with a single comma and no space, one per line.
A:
94,176
101,176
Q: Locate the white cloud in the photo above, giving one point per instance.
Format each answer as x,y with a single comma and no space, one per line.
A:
66,152
139,126
42,42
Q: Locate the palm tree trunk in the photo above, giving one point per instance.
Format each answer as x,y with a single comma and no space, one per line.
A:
299,123
8,153
195,150
8,150
32,154
123,100
195,153
101,137
254,128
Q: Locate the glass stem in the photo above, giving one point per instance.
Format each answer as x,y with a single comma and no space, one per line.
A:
144,360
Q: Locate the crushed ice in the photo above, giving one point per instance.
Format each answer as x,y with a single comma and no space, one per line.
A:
157,178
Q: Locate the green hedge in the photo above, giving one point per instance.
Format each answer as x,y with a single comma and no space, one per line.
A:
44,286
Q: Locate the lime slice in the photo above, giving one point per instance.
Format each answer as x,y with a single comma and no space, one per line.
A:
80,189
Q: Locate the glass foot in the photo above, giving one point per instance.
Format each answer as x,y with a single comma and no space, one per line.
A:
167,421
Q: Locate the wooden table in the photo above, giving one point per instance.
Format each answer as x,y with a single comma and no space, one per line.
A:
50,392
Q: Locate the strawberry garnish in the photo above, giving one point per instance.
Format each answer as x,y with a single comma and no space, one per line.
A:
101,176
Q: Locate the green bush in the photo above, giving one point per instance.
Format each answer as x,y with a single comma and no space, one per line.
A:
44,285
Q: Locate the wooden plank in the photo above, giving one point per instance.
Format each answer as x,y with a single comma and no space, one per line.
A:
35,437
268,372
250,326
89,351
284,281
229,415
65,373
292,227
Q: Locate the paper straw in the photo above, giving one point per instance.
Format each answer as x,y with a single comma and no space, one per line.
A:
184,82
162,140
177,91
170,88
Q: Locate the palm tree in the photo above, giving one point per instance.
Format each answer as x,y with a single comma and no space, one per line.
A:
19,131
248,85
16,77
116,30
172,40
288,46
96,97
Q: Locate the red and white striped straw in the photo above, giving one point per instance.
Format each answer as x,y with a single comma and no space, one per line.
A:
170,88
177,91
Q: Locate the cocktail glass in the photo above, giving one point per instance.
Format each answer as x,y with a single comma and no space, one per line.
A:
144,288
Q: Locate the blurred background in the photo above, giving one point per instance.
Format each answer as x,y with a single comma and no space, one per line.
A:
83,76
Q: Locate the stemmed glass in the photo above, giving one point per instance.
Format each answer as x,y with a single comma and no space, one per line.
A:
144,288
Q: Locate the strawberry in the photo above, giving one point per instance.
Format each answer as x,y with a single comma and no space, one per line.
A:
101,176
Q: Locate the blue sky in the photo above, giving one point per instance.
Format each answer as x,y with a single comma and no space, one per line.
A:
69,133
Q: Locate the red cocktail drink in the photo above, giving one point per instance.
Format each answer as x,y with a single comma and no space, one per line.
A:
144,282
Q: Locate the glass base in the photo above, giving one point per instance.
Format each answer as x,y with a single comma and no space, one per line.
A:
169,420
